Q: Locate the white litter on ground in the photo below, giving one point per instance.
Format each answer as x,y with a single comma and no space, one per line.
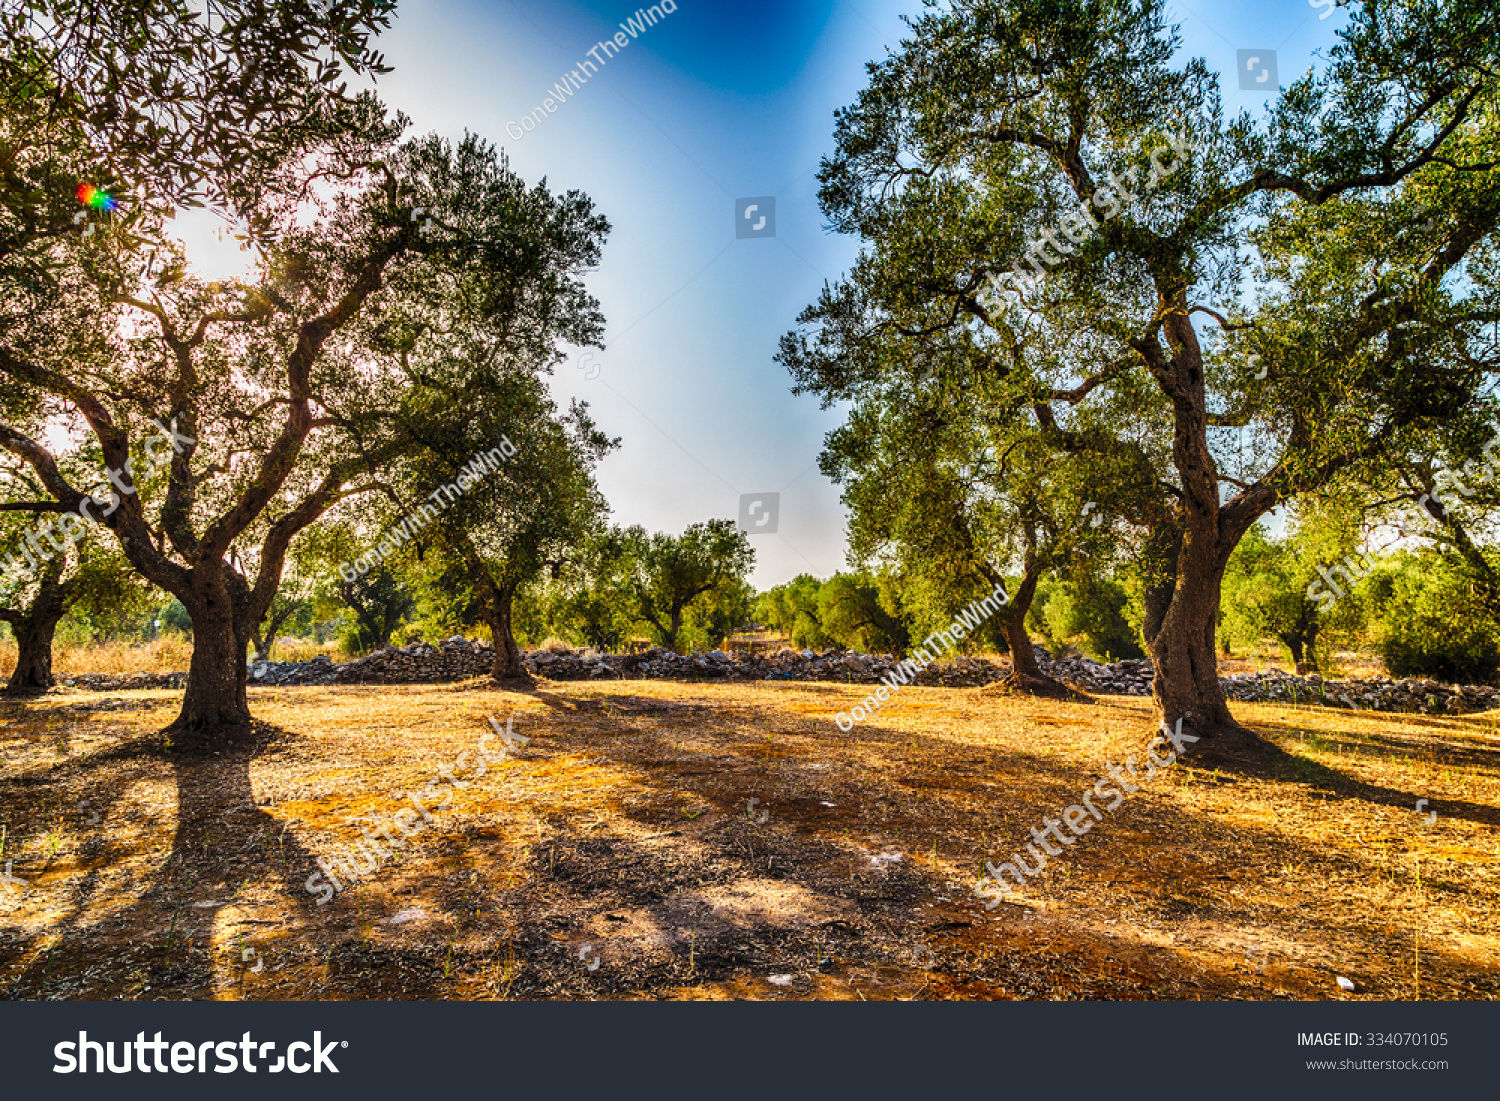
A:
411,913
780,980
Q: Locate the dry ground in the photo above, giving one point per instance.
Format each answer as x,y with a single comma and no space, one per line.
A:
619,854
165,655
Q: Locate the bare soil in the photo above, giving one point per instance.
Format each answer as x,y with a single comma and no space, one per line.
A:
706,841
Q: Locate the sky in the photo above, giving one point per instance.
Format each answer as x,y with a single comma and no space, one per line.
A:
716,107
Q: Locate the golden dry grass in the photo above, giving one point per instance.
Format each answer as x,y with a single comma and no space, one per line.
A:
167,655
624,834
172,655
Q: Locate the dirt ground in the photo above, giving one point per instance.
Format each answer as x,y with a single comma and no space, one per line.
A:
708,841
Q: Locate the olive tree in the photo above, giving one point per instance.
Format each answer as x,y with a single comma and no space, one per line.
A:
1316,278
283,394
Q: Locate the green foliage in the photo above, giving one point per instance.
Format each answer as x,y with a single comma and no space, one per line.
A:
722,611
158,100
1274,589
1436,623
1090,612
667,575
793,610
380,603
864,613
592,603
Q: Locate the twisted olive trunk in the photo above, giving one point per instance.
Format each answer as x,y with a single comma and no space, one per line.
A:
508,664
215,710
34,628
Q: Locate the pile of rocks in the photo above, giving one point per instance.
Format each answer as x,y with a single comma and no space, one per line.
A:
1372,694
458,658
1133,678
786,664
1120,678
117,682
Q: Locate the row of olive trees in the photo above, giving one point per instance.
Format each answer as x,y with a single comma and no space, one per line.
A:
368,358
687,591
1319,279
1421,609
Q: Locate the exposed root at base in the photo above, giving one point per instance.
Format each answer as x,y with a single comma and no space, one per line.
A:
197,740
1042,686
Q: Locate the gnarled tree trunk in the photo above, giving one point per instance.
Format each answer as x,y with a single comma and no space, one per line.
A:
215,710
1183,655
1180,627
1025,674
497,611
34,628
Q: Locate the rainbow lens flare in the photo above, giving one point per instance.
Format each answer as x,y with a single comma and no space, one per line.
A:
96,197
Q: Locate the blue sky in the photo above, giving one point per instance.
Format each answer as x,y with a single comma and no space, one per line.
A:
718,101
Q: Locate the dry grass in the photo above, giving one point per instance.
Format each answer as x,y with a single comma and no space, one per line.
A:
168,655
163,656
1345,663
172,655
624,833
297,649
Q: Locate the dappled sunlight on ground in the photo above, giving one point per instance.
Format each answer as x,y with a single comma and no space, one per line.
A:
658,839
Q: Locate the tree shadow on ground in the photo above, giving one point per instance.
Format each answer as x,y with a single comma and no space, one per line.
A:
222,841
1266,761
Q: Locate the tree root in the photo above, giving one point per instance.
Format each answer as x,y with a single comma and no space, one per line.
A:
1031,684
519,681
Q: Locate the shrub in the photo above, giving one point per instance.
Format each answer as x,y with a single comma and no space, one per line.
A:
1091,612
1435,625
1433,648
